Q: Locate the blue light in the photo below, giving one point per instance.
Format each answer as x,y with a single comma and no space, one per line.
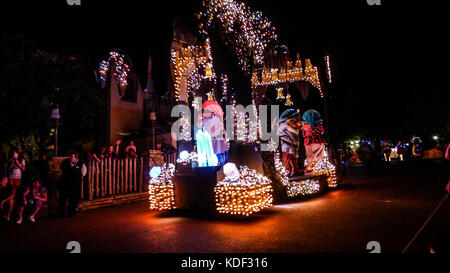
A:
155,171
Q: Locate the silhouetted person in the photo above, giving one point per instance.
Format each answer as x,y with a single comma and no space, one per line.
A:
73,171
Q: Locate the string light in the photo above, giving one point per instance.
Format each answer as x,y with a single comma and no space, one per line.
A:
248,194
161,189
324,166
328,67
291,74
224,81
185,127
294,188
121,69
200,59
247,32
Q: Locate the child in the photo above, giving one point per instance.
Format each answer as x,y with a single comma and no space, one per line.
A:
289,131
313,131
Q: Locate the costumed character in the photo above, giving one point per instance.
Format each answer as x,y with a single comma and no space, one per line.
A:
212,131
289,131
313,131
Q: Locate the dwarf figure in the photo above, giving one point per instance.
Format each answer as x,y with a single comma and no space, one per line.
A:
312,130
289,131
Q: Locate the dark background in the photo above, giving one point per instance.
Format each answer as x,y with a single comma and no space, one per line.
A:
390,62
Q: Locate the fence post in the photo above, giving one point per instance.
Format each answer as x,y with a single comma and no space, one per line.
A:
90,179
141,173
97,178
113,176
135,173
119,169
103,177
109,176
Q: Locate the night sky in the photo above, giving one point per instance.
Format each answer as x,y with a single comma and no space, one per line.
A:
390,63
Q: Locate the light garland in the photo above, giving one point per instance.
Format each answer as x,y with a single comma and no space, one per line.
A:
294,188
193,157
249,194
161,189
224,81
199,57
185,127
245,30
241,122
291,74
121,69
326,167
328,67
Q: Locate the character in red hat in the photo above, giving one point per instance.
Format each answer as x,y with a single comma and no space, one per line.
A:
212,122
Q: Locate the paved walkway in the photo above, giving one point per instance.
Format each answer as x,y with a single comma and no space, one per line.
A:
388,208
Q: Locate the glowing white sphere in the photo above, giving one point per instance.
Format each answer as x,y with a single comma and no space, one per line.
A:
155,171
184,155
231,171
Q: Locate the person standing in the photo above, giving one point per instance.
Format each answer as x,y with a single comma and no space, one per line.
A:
130,147
16,170
73,171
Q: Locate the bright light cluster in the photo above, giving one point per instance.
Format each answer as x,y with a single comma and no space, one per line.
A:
193,157
290,74
247,32
247,129
161,189
121,69
195,63
294,188
328,66
182,60
326,167
185,127
251,193
224,81
241,121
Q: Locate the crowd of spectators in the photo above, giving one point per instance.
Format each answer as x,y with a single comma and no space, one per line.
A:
22,191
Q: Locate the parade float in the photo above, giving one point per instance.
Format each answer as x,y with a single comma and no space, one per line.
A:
223,172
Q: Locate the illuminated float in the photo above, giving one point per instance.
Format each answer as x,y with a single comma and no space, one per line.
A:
230,174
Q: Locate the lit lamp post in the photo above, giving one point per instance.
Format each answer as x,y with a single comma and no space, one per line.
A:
153,119
56,115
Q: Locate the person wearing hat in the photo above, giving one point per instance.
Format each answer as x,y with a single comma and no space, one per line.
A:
211,120
313,131
289,131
